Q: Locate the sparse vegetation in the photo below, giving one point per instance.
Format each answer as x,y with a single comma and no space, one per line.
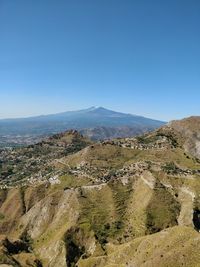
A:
170,167
2,216
88,205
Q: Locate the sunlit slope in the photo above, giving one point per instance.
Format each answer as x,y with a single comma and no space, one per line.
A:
122,202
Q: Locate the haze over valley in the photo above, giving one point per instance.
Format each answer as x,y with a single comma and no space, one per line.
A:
97,123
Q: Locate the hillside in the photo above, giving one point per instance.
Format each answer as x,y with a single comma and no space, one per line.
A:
34,161
189,128
120,202
97,122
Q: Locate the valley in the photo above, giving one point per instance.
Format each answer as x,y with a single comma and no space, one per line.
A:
97,123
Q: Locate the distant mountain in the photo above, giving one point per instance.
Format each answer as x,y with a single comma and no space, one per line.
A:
97,122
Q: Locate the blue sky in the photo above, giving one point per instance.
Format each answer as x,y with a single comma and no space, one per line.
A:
135,56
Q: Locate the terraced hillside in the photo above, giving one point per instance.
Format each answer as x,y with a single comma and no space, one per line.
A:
123,202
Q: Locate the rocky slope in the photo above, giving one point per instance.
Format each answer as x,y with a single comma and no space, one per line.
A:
122,202
189,128
103,133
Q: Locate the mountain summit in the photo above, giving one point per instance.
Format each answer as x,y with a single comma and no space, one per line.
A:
97,122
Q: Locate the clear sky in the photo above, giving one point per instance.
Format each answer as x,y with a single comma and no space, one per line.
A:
135,56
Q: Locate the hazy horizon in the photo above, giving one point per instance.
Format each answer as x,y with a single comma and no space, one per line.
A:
138,57
59,112
27,115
